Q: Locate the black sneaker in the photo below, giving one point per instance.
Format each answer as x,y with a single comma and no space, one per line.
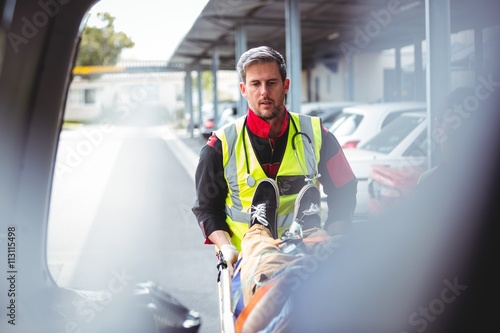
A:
265,202
307,208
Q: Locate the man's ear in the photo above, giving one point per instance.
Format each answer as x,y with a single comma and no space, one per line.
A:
243,89
286,85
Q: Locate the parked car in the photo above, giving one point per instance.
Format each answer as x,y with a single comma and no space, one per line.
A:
356,124
227,116
327,111
225,110
402,144
387,185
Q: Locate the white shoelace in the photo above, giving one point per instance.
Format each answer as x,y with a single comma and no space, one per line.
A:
313,209
259,213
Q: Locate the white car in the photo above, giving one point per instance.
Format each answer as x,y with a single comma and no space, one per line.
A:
208,125
356,124
327,111
402,144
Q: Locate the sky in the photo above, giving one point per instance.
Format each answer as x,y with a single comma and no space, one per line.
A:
156,26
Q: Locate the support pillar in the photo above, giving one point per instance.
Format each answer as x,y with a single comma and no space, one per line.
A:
438,32
293,54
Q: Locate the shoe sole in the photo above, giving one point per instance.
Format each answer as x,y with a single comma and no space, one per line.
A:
300,195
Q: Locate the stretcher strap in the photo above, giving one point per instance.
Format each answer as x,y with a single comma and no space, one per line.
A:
307,240
315,239
259,294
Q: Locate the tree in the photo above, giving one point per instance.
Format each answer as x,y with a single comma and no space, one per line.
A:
102,45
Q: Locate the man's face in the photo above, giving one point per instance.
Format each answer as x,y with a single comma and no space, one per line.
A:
264,90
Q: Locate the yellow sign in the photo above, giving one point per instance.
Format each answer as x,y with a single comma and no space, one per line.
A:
88,70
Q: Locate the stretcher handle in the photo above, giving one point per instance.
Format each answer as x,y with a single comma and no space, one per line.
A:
224,285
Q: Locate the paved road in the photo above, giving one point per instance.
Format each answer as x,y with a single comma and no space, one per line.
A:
121,205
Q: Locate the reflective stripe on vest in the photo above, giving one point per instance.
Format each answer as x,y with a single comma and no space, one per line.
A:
240,195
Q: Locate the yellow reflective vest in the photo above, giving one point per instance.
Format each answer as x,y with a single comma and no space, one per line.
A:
296,162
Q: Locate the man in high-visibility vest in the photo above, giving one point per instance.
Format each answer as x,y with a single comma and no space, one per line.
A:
269,270
268,142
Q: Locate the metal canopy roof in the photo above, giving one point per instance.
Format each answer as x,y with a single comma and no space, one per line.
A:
329,28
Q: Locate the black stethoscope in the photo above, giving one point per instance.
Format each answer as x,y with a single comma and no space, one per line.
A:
251,181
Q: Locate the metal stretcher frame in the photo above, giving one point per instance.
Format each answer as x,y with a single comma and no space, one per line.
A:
225,304
224,283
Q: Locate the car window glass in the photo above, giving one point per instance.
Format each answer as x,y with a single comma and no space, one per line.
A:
315,112
346,124
418,147
390,117
340,118
327,122
391,135
329,116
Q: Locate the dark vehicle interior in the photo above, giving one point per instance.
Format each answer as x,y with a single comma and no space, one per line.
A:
38,46
38,50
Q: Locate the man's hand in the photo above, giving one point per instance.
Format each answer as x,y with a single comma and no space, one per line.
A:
230,255
223,241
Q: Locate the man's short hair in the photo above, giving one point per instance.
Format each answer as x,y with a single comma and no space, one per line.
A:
261,54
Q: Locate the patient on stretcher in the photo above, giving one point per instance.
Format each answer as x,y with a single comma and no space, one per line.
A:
269,269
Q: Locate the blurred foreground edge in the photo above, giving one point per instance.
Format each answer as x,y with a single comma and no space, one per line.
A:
143,308
427,264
